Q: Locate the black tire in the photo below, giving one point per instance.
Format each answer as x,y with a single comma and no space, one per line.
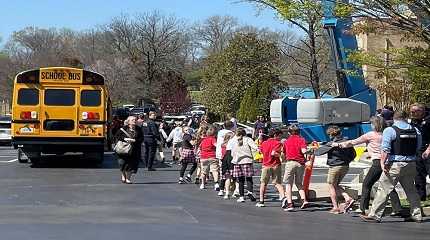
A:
95,157
100,157
35,161
35,158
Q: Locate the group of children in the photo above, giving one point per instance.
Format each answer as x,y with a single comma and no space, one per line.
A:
228,156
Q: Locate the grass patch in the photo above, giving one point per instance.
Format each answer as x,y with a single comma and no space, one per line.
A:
425,203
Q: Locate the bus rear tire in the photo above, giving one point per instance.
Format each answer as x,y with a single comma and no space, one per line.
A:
35,158
95,157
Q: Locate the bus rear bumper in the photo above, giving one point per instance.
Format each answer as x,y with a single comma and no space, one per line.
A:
55,145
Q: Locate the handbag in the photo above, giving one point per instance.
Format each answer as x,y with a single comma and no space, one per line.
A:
123,148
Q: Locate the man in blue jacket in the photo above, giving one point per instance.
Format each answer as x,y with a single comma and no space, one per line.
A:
151,136
400,144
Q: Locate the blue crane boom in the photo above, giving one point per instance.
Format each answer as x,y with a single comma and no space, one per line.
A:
342,42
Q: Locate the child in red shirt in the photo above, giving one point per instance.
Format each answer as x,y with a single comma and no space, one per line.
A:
208,160
272,169
294,149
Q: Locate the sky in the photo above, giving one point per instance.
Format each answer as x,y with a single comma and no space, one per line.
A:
85,14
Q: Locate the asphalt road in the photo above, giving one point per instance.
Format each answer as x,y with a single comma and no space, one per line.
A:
66,198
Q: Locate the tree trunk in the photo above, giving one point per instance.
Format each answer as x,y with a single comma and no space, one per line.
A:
313,75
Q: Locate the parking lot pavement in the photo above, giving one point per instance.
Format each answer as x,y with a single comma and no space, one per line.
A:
7,154
67,198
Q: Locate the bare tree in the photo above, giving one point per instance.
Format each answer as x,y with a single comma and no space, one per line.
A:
119,76
214,33
305,15
152,42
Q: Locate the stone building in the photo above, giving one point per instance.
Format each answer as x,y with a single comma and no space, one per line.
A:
381,42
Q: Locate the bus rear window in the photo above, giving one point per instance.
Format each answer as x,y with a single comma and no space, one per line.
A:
90,98
28,96
59,97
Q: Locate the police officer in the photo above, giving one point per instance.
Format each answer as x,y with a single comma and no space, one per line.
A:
400,144
150,137
421,121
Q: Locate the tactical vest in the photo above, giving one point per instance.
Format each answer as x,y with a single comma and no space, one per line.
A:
405,143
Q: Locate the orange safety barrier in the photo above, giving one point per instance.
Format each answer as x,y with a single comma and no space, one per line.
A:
310,156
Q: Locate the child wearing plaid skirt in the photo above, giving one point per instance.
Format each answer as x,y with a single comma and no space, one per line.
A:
226,167
187,157
242,150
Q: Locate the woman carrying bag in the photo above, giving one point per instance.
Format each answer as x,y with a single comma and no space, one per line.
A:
128,161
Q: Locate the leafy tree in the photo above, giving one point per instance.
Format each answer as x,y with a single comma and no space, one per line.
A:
255,102
246,61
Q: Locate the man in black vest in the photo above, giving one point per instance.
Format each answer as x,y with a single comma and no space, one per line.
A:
150,137
400,144
420,120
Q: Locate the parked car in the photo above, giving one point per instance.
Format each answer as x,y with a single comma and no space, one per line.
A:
5,130
178,119
121,112
137,111
198,109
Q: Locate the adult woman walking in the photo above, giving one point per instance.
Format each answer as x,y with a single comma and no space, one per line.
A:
242,151
129,163
373,140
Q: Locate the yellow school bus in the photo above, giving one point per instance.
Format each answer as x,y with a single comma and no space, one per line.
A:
60,109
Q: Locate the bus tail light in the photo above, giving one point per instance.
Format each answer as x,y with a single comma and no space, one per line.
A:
28,115
90,116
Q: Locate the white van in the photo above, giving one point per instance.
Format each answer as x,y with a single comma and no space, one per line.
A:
5,130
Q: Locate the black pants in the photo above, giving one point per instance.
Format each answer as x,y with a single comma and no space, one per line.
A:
371,178
184,168
149,155
420,179
249,185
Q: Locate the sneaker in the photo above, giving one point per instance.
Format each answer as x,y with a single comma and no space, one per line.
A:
348,205
188,178
226,196
202,186
304,205
284,203
235,194
251,196
290,207
221,193
359,211
181,181
216,187
370,219
395,214
241,199
260,204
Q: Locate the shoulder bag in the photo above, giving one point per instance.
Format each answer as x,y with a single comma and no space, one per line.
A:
123,148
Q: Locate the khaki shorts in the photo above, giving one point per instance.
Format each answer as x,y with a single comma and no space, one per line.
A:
209,165
294,172
336,174
274,173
